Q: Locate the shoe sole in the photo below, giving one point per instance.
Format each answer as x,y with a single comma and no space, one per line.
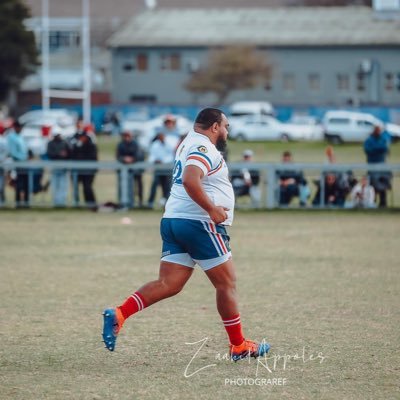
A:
109,337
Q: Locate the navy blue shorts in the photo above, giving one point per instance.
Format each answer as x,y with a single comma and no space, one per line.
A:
188,241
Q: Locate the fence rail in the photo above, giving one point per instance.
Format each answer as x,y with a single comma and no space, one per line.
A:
123,174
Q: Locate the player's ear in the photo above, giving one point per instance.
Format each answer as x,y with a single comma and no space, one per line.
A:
215,126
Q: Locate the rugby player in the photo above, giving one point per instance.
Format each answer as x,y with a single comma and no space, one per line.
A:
193,232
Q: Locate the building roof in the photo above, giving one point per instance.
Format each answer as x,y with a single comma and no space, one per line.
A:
294,26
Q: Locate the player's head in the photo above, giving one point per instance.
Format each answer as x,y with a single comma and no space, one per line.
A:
213,123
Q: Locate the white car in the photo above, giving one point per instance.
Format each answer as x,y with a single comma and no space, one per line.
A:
311,127
38,127
263,127
349,126
61,115
145,130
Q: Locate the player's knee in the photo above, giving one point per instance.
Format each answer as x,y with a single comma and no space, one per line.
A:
171,288
226,285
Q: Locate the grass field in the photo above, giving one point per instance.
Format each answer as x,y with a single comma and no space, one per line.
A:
325,282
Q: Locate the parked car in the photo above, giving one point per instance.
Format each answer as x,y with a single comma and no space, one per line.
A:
311,127
263,127
38,124
145,130
244,108
349,126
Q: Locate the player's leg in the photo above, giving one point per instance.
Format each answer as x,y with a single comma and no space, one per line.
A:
223,278
171,280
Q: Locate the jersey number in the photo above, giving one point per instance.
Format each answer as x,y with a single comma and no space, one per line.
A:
177,173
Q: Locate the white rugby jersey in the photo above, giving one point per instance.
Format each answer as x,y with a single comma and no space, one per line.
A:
198,150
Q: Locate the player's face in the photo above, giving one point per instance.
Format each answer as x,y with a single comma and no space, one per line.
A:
222,135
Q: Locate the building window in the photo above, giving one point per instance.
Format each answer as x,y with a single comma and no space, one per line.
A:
171,62
389,81
361,81
127,67
289,82
142,62
314,82
343,82
64,39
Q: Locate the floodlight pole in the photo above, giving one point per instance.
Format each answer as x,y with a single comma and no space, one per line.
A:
86,61
45,56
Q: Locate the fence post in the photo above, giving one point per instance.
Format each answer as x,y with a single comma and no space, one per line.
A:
270,187
123,182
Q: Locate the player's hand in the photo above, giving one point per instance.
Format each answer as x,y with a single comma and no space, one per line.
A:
218,214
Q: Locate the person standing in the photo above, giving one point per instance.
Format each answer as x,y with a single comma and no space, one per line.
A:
193,230
18,151
129,152
84,149
161,152
376,148
3,158
58,150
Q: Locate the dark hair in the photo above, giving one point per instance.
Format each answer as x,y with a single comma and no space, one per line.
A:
287,154
208,116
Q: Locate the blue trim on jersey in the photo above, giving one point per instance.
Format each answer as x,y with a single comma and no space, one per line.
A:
197,153
218,166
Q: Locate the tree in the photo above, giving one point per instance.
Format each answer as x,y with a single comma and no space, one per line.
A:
230,68
18,54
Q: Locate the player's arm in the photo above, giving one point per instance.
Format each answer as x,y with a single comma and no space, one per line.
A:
191,180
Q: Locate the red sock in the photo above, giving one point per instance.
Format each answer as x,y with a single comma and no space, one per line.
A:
234,330
132,305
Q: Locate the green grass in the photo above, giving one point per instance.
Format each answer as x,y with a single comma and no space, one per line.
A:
303,152
327,282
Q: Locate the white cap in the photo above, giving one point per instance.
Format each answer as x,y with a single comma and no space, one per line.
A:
248,153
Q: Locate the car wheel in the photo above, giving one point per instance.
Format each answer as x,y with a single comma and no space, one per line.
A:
240,137
285,137
335,139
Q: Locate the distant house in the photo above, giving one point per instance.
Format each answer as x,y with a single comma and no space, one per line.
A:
321,56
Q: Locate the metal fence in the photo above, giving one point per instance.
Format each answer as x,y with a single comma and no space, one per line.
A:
119,189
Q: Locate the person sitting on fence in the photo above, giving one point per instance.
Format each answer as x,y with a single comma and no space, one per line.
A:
376,148
332,195
363,195
246,181
291,183
129,152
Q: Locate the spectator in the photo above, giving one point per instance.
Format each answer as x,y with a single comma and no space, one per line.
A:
170,130
35,177
363,194
376,148
84,149
345,179
160,153
245,182
58,150
332,194
3,158
18,151
291,183
129,152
